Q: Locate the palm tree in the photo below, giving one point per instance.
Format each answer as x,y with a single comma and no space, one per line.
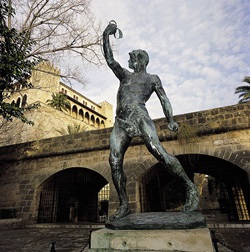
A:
72,129
244,91
59,101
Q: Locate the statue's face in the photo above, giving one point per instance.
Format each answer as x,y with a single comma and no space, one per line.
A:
132,61
138,59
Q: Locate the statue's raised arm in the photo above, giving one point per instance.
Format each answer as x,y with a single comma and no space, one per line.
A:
108,54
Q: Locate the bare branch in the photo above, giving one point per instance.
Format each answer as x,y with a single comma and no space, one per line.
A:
60,29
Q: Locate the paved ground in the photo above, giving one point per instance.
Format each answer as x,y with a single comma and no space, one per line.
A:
235,239
39,239
77,239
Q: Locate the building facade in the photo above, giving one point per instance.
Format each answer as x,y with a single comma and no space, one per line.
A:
48,121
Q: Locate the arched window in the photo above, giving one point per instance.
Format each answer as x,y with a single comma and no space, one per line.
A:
74,111
18,102
86,118
81,117
24,101
92,120
102,125
97,123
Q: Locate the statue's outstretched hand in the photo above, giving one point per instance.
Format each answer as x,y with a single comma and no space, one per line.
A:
110,29
173,126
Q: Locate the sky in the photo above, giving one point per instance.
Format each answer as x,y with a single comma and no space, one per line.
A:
199,48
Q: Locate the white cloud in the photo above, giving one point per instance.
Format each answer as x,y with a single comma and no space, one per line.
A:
199,49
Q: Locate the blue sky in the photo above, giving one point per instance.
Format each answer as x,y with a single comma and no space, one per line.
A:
199,48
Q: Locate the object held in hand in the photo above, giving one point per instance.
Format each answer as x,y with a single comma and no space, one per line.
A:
120,35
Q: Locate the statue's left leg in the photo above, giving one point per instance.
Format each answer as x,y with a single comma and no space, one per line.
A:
173,166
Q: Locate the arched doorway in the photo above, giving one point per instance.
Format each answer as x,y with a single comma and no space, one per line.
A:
71,195
223,186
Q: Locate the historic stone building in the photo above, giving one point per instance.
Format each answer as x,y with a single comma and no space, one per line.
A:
68,179
47,120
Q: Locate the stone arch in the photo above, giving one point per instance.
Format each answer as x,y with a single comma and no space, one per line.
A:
74,111
92,119
215,152
71,195
18,102
86,118
97,123
102,126
24,101
221,167
81,115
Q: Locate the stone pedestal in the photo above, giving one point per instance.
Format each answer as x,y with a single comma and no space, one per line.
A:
154,232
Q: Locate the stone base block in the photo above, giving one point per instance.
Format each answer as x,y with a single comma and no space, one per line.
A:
190,240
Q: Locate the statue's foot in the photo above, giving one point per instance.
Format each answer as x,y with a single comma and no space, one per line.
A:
122,211
192,198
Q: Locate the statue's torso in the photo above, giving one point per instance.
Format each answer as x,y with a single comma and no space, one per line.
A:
134,91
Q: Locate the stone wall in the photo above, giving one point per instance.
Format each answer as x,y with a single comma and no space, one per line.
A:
223,133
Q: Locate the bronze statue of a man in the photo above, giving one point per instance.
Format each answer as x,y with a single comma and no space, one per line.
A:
132,119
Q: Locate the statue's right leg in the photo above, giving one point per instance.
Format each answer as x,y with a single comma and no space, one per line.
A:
119,142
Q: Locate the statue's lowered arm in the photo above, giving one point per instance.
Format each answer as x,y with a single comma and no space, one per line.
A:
166,105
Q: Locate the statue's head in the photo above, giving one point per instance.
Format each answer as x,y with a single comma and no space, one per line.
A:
138,60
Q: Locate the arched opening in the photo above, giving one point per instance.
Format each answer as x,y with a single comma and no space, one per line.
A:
97,123
18,102
102,125
81,114
103,203
74,111
72,195
223,188
92,118
24,101
86,119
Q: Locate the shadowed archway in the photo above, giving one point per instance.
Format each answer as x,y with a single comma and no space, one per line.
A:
223,187
71,195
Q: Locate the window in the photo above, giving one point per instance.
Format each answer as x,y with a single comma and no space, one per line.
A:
74,111
24,101
103,201
81,114
18,102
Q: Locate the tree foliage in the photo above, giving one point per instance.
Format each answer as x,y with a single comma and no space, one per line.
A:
15,64
244,91
60,29
59,101
72,129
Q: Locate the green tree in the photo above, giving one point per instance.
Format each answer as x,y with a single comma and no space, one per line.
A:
244,91
15,66
72,129
59,101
